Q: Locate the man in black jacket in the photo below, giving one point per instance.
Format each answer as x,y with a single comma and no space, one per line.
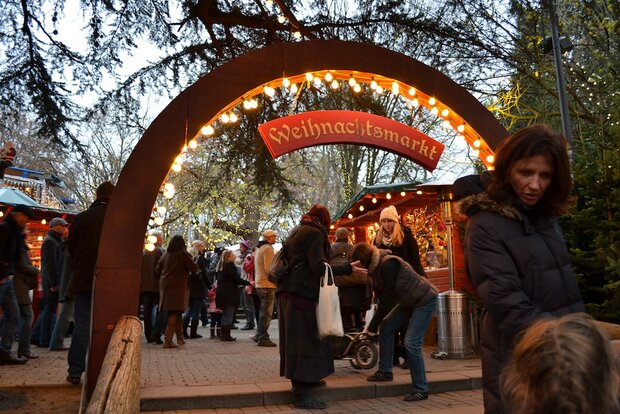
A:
83,245
12,239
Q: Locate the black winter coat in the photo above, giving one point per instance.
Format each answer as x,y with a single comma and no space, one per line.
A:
519,264
83,245
228,281
51,263
408,251
306,250
198,281
12,240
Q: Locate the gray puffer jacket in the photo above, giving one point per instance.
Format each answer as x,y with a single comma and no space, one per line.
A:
518,262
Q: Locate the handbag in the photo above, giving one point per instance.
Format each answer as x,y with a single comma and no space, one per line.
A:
328,318
279,269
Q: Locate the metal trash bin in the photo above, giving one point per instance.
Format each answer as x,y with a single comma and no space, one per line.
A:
454,325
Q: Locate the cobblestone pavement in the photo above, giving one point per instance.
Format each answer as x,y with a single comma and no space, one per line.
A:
456,402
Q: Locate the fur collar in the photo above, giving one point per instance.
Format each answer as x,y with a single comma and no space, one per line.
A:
482,202
375,260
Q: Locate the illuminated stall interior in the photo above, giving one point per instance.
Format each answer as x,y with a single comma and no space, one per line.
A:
421,212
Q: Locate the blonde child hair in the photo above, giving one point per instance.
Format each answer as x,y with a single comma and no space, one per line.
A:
562,366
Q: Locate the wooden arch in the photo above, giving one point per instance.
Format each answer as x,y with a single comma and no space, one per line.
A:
117,274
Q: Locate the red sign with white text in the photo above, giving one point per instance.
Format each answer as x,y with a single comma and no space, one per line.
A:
308,129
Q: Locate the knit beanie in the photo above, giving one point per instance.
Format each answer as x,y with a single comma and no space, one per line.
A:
389,213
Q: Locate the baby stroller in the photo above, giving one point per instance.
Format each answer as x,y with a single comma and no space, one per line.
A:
359,349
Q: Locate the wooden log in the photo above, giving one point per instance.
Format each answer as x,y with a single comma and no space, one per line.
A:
611,329
118,385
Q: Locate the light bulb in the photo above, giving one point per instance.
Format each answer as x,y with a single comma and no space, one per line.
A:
43,221
329,77
435,111
335,84
286,83
233,117
395,88
374,200
388,196
431,101
207,130
178,159
373,85
193,144
317,81
158,220
477,143
490,159
352,81
281,19
225,118
168,194
309,77
412,91
39,238
379,89
461,128
176,167
361,208
419,192
402,193
162,210
357,88
297,35
445,112
151,239
149,247
269,91
350,216
294,88
415,102
254,104
169,187
247,104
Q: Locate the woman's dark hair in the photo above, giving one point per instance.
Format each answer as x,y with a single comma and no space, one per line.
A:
176,244
526,143
362,252
322,214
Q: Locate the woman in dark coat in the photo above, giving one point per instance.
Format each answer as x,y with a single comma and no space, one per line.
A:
174,268
405,297
304,358
228,281
515,253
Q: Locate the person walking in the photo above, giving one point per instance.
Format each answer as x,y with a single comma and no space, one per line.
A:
174,269
515,253
149,290
405,297
305,359
66,301
198,282
263,257
83,247
25,280
12,240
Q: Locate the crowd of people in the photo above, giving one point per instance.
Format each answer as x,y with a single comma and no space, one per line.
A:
540,352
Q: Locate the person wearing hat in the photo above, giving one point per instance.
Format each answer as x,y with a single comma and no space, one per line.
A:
400,241
263,257
12,241
245,249
51,267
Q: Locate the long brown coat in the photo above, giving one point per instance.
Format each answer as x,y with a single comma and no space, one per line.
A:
174,269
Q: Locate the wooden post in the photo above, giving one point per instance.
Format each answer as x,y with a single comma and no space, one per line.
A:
118,386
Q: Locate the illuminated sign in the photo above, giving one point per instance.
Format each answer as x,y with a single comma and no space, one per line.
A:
308,129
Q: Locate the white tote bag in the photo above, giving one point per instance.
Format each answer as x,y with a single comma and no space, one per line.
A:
370,313
328,316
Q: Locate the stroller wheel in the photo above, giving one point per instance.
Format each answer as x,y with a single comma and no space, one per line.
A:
365,355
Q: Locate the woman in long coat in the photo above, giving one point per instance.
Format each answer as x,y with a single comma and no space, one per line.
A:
174,268
228,281
515,253
304,358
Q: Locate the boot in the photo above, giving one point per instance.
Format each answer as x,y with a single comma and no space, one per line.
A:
169,333
225,334
194,327
185,326
179,331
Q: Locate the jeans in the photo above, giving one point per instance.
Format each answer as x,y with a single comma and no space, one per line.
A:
8,303
248,306
42,331
228,314
26,316
62,324
81,334
419,320
267,299
149,301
